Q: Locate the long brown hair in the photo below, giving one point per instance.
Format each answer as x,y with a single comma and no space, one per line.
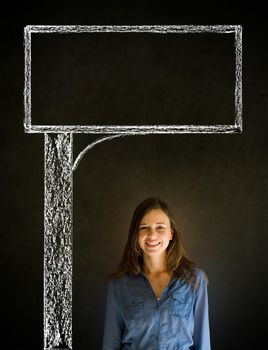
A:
132,259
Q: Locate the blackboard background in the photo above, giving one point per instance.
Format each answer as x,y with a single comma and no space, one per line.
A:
216,184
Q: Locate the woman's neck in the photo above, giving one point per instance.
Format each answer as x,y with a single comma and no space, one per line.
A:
154,265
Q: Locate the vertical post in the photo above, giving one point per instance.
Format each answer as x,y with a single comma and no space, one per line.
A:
58,241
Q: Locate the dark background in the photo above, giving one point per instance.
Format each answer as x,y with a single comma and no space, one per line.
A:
216,184
133,78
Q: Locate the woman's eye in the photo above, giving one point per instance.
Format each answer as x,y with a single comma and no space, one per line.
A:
160,228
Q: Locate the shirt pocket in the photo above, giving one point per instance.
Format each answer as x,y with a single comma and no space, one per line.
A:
134,308
181,305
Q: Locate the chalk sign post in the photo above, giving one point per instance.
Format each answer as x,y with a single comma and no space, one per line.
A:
59,167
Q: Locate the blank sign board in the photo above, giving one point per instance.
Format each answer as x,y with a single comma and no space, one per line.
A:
134,79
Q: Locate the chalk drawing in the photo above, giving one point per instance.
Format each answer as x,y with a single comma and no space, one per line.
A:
236,30
59,168
93,144
58,212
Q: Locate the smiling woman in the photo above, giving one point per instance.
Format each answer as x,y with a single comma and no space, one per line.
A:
157,298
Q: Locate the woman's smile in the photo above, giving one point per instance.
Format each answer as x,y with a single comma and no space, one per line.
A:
153,244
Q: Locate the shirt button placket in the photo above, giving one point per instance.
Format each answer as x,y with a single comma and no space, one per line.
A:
157,326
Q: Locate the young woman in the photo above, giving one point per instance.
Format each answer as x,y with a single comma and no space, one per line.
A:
157,298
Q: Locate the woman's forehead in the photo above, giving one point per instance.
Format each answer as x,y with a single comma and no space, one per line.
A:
155,215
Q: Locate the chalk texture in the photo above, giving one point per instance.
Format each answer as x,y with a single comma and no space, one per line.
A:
58,242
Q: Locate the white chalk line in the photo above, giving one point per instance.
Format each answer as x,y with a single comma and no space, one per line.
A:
135,129
238,77
161,29
93,144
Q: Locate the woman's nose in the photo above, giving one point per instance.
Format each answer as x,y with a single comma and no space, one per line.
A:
152,232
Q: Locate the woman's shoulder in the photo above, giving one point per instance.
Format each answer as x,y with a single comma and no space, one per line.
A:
200,276
199,272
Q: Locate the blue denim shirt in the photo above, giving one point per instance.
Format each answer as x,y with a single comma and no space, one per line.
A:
135,319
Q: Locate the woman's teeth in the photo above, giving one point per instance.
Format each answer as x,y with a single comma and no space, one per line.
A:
153,244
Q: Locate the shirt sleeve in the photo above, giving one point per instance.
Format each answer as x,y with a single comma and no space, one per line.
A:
113,324
201,334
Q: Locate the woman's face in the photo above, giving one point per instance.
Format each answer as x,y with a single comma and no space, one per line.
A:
154,232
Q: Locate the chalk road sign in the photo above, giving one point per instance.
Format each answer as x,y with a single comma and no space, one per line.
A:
59,165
